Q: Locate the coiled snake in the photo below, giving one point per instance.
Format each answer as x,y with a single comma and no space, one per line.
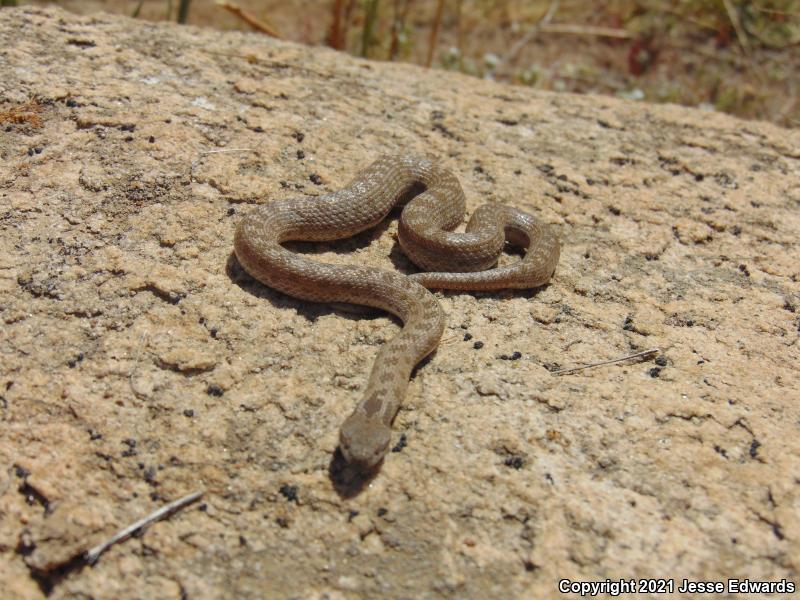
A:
452,260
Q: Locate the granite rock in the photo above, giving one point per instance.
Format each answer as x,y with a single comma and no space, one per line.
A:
140,363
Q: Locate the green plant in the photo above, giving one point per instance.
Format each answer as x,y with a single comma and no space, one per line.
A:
367,34
183,10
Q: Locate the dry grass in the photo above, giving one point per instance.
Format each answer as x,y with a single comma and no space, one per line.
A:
28,113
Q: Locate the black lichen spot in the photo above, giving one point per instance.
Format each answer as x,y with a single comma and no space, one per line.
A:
188,412
301,155
721,451
726,180
743,269
231,211
661,361
131,444
94,436
516,355
401,443
299,136
654,372
614,210
754,446
467,337
382,511
289,492
214,390
628,325
150,476
315,179
72,362
71,103
26,545
151,139
621,161
477,345
515,462
81,43
444,131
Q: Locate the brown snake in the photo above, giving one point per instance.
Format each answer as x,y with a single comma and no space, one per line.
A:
454,261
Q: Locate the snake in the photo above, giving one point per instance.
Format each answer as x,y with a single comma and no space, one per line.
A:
433,206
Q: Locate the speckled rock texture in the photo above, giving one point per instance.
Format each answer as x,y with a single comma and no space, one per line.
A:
140,363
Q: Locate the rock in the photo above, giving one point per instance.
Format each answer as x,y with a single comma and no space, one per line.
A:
140,363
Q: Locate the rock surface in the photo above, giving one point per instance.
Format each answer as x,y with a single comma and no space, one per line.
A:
139,363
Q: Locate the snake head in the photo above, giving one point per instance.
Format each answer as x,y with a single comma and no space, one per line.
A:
364,442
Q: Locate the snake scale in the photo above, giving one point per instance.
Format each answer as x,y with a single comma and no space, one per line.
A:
451,260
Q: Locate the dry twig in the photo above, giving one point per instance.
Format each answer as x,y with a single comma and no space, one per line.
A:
437,19
165,511
340,24
586,30
526,39
607,362
258,25
398,25
335,37
737,24
142,341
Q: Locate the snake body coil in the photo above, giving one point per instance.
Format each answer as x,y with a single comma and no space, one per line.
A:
453,261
